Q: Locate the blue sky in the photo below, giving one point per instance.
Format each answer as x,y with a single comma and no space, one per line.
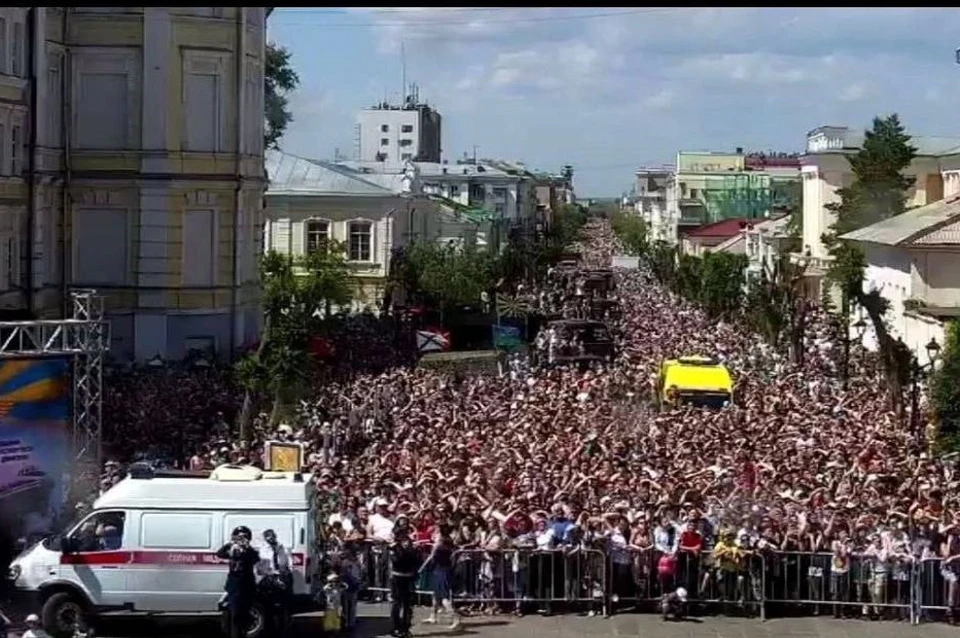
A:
610,89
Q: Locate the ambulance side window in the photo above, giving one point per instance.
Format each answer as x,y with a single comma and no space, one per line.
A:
100,532
169,530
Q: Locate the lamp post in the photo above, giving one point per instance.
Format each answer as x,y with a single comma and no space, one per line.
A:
860,327
918,373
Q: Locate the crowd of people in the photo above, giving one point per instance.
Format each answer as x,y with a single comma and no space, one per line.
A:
546,456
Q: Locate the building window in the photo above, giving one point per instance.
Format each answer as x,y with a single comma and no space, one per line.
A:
693,193
406,156
15,148
101,241
406,128
318,233
406,142
499,209
199,248
384,128
3,46
103,111
361,239
201,112
384,141
16,56
500,193
454,190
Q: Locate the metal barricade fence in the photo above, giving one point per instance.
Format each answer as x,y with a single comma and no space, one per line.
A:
640,578
763,583
859,585
937,590
522,579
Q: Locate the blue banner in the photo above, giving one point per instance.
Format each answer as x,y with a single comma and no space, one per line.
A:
34,442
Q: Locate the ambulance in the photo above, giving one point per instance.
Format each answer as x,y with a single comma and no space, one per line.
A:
148,546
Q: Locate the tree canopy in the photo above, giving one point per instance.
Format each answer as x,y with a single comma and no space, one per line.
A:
878,191
296,293
448,275
279,79
631,230
945,388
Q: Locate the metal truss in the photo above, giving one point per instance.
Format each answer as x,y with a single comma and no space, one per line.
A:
85,339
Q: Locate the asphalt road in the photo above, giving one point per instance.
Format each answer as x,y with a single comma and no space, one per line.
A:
375,624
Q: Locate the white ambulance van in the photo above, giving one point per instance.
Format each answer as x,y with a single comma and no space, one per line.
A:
148,546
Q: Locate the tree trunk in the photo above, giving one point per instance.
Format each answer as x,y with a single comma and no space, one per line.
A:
887,349
276,413
246,412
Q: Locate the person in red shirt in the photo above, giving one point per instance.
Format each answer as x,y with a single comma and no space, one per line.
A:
688,563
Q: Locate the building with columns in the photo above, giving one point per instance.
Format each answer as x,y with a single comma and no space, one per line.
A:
133,164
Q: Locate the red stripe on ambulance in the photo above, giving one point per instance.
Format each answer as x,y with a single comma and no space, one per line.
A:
179,559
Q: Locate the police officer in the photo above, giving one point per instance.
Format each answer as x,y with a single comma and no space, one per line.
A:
404,564
241,585
277,582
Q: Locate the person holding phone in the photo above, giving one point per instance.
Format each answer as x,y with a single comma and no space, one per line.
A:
241,585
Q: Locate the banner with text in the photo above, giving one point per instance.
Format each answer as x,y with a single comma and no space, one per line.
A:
34,442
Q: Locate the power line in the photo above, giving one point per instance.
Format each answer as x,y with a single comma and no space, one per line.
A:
408,23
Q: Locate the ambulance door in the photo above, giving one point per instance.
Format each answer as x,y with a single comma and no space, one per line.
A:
100,556
176,568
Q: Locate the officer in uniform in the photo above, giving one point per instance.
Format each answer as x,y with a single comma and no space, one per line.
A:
241,586
404,564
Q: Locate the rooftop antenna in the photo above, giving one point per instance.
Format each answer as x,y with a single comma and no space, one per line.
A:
403,73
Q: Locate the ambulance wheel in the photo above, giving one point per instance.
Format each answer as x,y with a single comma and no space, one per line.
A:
63,614
258,622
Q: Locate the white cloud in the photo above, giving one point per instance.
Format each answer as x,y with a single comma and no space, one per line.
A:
854,92
660,100
508,79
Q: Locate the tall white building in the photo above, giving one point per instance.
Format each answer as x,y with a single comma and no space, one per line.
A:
398,133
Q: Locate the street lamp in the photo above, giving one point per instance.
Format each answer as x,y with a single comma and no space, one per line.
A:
860,327
919,373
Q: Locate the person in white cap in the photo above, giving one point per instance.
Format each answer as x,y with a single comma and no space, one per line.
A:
34,630
674,604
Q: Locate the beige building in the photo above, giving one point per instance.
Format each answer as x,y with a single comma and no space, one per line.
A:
913,259
137,169
825,170
371,214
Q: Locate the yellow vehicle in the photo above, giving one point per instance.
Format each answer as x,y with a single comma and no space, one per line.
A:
695,380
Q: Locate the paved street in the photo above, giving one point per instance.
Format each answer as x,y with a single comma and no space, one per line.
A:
375,624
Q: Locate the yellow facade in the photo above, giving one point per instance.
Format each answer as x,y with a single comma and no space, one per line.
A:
150,171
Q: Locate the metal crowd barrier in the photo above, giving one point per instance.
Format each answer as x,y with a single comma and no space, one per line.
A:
639,579
526,578
862,585
937,590
760,583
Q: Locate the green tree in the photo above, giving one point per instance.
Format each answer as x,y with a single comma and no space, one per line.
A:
279,79
774,307
720,283
631,230
663,263
295,293
448,275
879,191
945,389
688,277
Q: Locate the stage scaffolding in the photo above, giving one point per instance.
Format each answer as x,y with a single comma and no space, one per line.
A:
85,340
